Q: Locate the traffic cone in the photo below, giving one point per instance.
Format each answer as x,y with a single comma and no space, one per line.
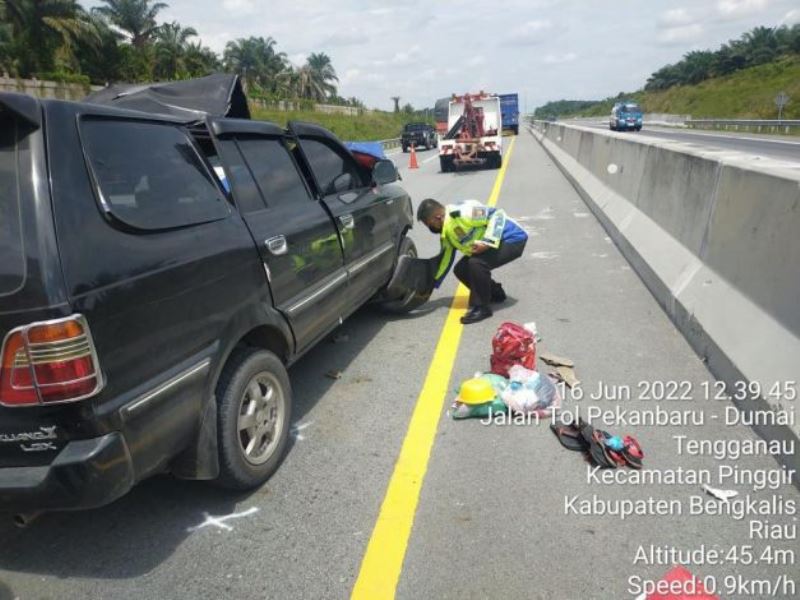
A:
412,162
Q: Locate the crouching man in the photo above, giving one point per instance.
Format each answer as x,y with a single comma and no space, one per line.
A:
486,237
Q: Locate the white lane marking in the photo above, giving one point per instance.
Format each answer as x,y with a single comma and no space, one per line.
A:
544,255
219,522
429,159
580,215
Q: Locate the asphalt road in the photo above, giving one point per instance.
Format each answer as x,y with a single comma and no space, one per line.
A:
775,147
491,520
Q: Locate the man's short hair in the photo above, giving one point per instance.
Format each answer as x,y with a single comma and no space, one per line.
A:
426,209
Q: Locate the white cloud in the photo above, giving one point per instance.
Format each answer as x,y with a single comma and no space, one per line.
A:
529,33
476,61
349,37
298,59
792,17
681,35
559,59
675,17
734,9
240,8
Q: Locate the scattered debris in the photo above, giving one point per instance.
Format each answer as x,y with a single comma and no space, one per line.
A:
554,360
479,397
219,522
334,374
567,375
723,495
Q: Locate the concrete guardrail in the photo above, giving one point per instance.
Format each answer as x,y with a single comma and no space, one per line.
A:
716,241
756,125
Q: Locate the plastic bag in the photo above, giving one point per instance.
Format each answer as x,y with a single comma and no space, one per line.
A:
512,344
459,410
530,392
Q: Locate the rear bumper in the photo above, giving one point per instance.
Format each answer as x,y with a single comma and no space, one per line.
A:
85,474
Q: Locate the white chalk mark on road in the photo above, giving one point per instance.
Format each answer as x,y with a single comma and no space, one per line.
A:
580,215
544,255
219,522
297,428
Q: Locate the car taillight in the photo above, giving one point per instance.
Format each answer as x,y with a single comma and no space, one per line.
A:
49,362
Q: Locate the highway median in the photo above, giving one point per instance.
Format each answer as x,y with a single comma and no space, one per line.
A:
713,235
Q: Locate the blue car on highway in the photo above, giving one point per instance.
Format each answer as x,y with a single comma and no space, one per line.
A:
626,116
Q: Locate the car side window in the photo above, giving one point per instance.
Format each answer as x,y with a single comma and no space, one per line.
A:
329,164
274,171
150,175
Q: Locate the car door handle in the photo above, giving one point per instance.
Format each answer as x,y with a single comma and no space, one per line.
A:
277,245
347,221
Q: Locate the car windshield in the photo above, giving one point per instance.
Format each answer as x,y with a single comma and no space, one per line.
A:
631,108
416,127
12,264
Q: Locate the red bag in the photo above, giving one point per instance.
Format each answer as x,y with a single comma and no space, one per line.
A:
512,345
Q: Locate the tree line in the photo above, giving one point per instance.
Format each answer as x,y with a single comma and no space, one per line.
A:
756,47
123,40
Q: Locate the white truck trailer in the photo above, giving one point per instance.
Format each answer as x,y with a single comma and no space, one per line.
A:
474,132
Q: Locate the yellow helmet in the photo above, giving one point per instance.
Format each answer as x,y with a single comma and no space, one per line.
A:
476,391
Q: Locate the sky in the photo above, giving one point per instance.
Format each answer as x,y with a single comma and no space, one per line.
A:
543,49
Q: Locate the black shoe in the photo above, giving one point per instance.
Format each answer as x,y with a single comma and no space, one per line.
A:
475,314
498,294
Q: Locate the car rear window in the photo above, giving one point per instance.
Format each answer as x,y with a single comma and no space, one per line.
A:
12,260
416,127
150,175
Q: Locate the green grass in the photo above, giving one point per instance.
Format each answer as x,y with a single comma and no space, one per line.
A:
746,94
375,125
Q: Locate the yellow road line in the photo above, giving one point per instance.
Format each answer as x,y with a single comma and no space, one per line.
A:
383,560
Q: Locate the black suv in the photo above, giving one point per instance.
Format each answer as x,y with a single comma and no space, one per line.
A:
419,134
156,280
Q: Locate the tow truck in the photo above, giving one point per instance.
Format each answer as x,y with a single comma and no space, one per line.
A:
474,135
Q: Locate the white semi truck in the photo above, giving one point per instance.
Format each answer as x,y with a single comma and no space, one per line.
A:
474,132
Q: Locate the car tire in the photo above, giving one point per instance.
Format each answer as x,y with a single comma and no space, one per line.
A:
254,385
446,163
412,300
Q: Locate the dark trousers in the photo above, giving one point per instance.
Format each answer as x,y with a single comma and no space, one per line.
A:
475,272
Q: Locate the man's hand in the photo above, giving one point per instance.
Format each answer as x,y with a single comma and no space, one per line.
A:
479,248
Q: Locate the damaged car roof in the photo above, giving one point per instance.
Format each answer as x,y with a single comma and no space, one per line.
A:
218,95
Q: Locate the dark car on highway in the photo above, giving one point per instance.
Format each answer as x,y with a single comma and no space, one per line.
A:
421,135
157,278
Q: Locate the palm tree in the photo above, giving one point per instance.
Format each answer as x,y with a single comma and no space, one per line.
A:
199,60
256,61
135,18
309,84
171,45
44,33
761,45
323,72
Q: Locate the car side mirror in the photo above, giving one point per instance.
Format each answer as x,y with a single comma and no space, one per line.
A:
342,183
384,172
